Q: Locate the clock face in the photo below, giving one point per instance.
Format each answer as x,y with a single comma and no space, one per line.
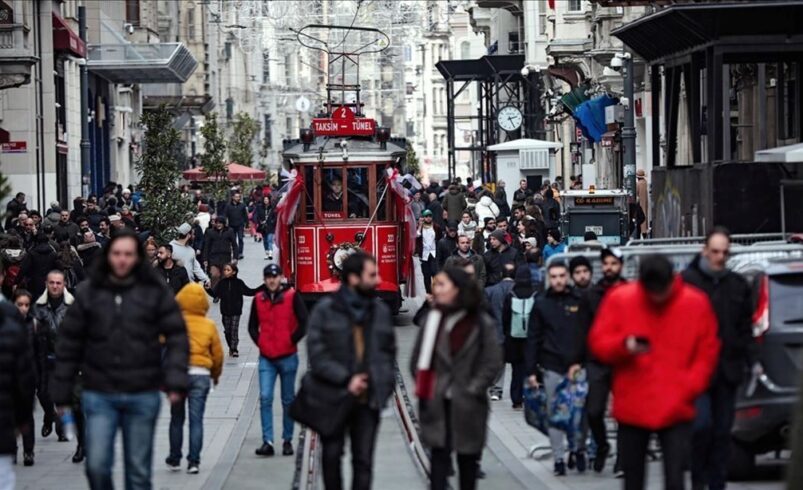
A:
509,118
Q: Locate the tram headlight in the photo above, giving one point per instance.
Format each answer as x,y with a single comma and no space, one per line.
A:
382,136
307,136
344,145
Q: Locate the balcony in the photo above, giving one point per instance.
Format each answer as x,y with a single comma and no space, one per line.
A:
512,6
16,58
142,63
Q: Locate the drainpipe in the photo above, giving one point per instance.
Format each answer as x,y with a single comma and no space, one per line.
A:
629,128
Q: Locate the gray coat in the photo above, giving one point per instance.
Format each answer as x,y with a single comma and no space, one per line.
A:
469,374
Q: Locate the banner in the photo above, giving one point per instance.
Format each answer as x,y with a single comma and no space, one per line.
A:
285,215
405,217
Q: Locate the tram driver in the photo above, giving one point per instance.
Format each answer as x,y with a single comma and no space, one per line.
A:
333,199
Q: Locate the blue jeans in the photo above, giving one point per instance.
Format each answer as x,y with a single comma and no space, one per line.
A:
286,368
135,414
239,231
267,241
196,398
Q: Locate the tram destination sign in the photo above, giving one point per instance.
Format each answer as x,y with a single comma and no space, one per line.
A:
343,123
594,201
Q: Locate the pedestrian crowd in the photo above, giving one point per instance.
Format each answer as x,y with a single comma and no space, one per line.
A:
101,319
87,329
669,349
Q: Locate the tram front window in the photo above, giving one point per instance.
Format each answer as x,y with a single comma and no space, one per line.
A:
332,193
358,192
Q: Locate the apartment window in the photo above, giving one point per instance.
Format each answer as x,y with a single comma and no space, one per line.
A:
288,122
575,5
191,24
408,53
542,17
465,50
288,66
513,45
132,12
268,131
266,66
229,109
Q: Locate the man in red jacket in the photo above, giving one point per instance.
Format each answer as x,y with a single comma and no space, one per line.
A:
660,337
277,323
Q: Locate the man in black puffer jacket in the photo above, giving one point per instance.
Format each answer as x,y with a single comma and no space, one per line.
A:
236,213
730,296
115,333
17,385
220,246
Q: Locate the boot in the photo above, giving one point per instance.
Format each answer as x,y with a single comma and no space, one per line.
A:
79,454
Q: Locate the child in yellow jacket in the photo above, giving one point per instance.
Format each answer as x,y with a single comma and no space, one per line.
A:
206,364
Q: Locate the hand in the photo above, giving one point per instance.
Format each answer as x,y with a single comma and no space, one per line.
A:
574,369
207,284
634,347
175,397
430,299
358,384
532,381
206,264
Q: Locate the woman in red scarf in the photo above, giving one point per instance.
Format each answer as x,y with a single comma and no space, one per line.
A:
455,360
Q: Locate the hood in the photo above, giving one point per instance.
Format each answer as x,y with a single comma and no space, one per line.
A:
485,201
193,300
68,298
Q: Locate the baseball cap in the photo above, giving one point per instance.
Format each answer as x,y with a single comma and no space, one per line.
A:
451,225
184,229
272,270
426,212
611,252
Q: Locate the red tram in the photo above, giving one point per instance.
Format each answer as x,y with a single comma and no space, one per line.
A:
344,191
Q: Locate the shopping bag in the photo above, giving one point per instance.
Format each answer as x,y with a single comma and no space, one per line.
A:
567,406
535,408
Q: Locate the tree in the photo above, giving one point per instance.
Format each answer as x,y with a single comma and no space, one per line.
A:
213,160
413,166
165,208
245,129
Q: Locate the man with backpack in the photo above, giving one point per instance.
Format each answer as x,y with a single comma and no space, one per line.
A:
496,296
515,321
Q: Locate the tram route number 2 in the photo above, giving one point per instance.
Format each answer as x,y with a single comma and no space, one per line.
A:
343,123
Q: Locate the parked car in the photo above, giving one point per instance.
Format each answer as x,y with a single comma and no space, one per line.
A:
765,404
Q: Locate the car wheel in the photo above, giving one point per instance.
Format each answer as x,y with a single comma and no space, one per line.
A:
742,462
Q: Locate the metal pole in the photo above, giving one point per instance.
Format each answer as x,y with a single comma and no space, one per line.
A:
629,129
783,213
86,172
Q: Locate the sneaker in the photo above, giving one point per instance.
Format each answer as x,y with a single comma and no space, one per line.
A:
495,397
270,256
235,353
572,463
287,448
599,459
265,450
193,469
618,472
216,300
241,257
27,459
267,256
560,468
172,465
481,474
63,438
581,462
518,406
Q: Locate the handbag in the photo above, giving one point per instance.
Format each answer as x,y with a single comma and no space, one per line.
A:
321,406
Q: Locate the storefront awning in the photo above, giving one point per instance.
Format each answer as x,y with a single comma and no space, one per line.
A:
684,28
142,63
65,39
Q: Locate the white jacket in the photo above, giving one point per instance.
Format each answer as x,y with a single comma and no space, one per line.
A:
486,208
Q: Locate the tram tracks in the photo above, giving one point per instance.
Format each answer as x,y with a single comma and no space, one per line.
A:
308,468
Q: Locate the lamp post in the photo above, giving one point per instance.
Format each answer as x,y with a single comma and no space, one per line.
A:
86,171
625,61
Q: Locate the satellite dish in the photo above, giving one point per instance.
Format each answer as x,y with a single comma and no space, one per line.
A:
302,104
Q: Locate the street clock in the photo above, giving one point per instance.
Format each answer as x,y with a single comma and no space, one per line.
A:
509,118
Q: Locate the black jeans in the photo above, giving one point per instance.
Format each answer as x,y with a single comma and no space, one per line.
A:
429,269
599,387
712,436
633,442
362,426
517,382
441,462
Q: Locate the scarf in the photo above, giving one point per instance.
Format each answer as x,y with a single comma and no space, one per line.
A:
705,267
425,374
